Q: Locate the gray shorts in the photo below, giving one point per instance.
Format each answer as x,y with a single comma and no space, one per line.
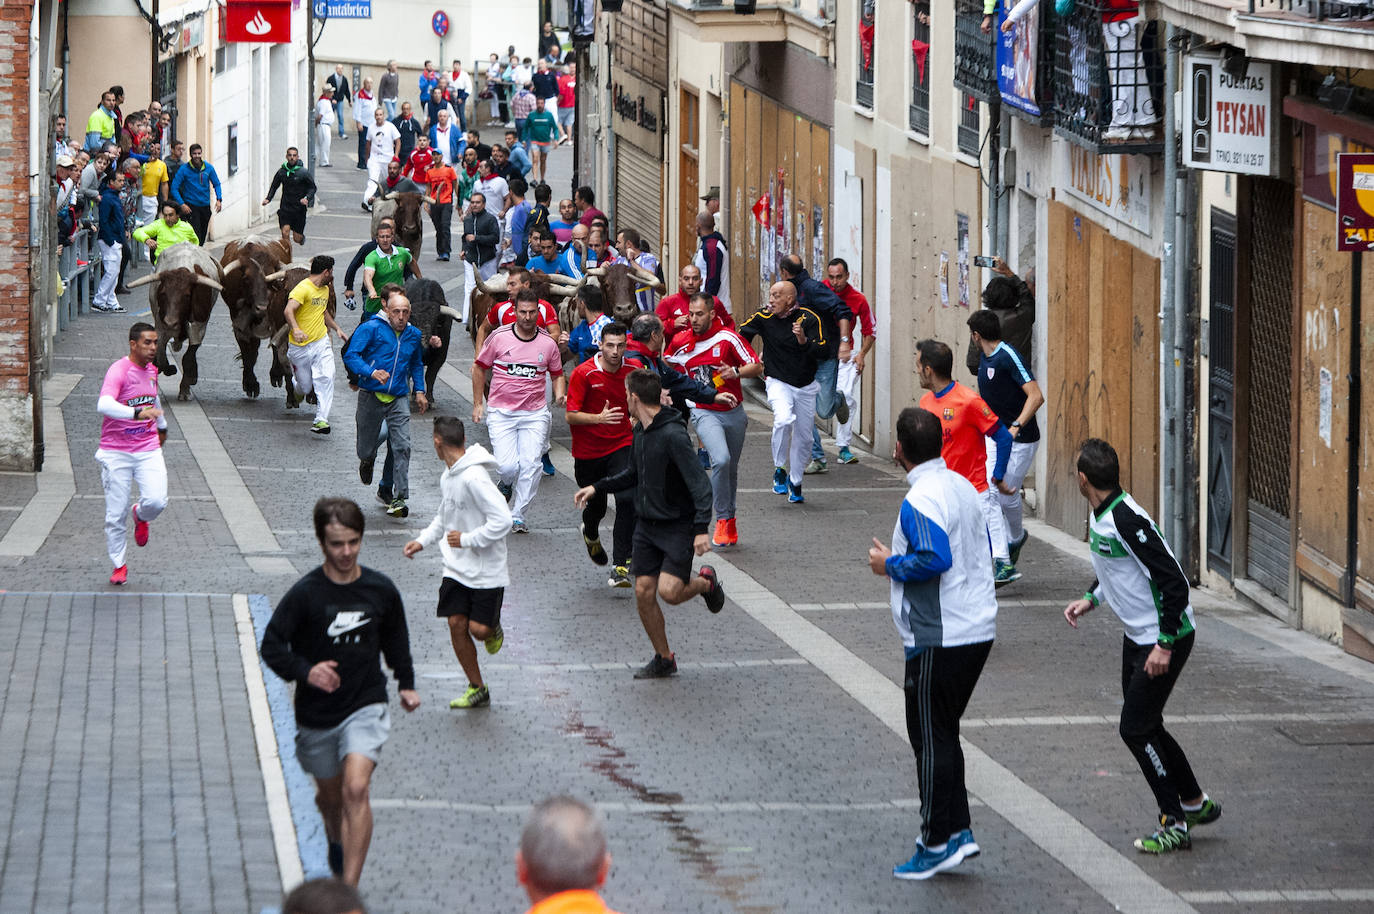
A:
321,752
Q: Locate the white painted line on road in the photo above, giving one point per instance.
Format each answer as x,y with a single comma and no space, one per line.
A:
1277,896
519,810
813,488
269,757
1098,720
449,671
56,483
1053,830
246,524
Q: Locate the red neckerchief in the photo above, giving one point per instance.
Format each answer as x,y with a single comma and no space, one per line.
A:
363,93
471,170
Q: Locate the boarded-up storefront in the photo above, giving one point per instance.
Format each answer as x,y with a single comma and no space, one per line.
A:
1103,380
779,194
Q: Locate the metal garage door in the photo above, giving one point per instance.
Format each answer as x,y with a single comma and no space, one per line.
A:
639,194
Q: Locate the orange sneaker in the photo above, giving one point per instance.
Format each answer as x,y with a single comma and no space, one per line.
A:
725,533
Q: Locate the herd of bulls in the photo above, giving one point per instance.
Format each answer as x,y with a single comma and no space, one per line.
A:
255,275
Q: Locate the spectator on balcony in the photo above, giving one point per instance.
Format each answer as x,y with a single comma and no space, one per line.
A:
1134,116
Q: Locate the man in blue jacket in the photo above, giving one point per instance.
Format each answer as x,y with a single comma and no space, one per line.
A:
191,188
447,133
384,355
111,243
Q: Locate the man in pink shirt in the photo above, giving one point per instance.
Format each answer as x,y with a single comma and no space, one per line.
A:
519,357
131,436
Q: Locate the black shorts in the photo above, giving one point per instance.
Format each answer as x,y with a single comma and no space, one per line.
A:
480,604
294,217
663,546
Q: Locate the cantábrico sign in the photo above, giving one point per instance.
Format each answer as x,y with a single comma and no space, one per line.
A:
1229,120
1116,185
637,108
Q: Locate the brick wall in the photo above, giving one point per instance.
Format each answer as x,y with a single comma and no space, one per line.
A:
16,403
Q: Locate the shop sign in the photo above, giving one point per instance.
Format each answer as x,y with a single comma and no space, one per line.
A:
343,9
1117,185
1229,118
267,21
636,107
1355,201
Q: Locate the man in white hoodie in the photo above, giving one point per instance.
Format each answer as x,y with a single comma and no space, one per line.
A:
470,528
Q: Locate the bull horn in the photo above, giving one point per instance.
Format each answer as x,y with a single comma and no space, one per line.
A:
445,309
494,286
597,271
560,279
207,281
273,277
645,275
279,335
232,267
143,281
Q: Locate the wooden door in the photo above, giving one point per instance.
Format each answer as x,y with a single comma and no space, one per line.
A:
688,189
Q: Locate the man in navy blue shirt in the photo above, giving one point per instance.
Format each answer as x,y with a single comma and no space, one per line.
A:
1009,389
191,190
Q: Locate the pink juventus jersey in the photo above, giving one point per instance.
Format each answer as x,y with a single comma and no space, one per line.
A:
518,368
131,386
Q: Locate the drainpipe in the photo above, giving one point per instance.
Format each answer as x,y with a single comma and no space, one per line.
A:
1169,489
996,230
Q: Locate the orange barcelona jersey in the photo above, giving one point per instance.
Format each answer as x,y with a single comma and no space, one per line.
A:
966,420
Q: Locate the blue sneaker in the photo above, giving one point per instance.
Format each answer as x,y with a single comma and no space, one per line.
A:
779,481
548,466
968,847
927,862
794,494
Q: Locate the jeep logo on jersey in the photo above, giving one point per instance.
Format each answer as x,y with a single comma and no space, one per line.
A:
529,372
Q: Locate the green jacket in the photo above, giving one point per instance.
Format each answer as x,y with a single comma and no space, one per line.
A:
166,235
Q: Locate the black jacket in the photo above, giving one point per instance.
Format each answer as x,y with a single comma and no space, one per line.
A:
783,357
669,482
681,387
1016,322
349,623
487,233
829,307
340,84
294,183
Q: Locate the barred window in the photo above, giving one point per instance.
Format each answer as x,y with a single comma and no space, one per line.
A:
863,90
969,124
918,117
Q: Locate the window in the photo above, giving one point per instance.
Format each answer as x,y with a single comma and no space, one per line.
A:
918,118
233,148
863,90
969,124
226,57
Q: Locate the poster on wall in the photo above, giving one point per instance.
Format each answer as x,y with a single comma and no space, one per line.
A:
1355,201
818,257
1018,50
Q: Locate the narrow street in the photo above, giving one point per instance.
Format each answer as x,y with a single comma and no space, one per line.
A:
772,774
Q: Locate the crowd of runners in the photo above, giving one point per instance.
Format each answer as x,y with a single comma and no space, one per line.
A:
656,409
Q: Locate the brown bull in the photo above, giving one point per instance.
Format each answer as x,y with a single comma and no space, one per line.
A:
181,295
619,281
250,266
407,209
279,331
488,294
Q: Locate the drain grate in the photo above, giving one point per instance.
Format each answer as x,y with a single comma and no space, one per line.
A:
1319,734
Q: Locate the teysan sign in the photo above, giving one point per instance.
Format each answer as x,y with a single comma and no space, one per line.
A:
1229,116
267,21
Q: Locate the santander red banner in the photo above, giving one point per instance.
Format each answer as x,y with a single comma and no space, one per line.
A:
258,20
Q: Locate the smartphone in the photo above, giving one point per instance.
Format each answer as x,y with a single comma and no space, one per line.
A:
982,260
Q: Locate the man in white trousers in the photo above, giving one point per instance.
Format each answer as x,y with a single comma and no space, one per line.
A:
793,343
324,125
384,144
851,369
310,353
519,358
131,436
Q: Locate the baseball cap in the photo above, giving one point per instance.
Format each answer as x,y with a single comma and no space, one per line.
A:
712,194
65,161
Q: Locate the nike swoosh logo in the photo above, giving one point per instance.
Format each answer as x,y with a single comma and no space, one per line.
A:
336,628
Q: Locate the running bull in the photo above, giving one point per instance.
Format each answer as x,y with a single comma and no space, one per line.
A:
181,294
250,267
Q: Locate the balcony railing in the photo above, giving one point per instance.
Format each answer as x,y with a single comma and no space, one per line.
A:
975,65
863,87
918,114
1324,10
1108,80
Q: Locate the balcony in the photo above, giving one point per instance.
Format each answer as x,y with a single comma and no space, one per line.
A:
1333,33
804,23
975,62
1025,63
1108,81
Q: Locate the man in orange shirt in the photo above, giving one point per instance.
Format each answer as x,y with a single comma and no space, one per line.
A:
441,179
562,859
965,420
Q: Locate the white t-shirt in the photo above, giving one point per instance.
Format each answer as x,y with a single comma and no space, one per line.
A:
463,82
521,75
382,138
443,144
495,188
363,109
325,109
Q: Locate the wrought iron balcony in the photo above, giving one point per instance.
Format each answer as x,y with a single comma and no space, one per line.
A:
1108,80
975,64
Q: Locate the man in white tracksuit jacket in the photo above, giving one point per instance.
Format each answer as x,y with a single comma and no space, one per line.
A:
470,527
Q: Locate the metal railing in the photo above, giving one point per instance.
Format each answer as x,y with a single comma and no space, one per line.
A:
1108,80
918,113
80,268
1322,10
863,86
975,63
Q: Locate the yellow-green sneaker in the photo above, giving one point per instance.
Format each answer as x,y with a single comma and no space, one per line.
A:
474,697
496,639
